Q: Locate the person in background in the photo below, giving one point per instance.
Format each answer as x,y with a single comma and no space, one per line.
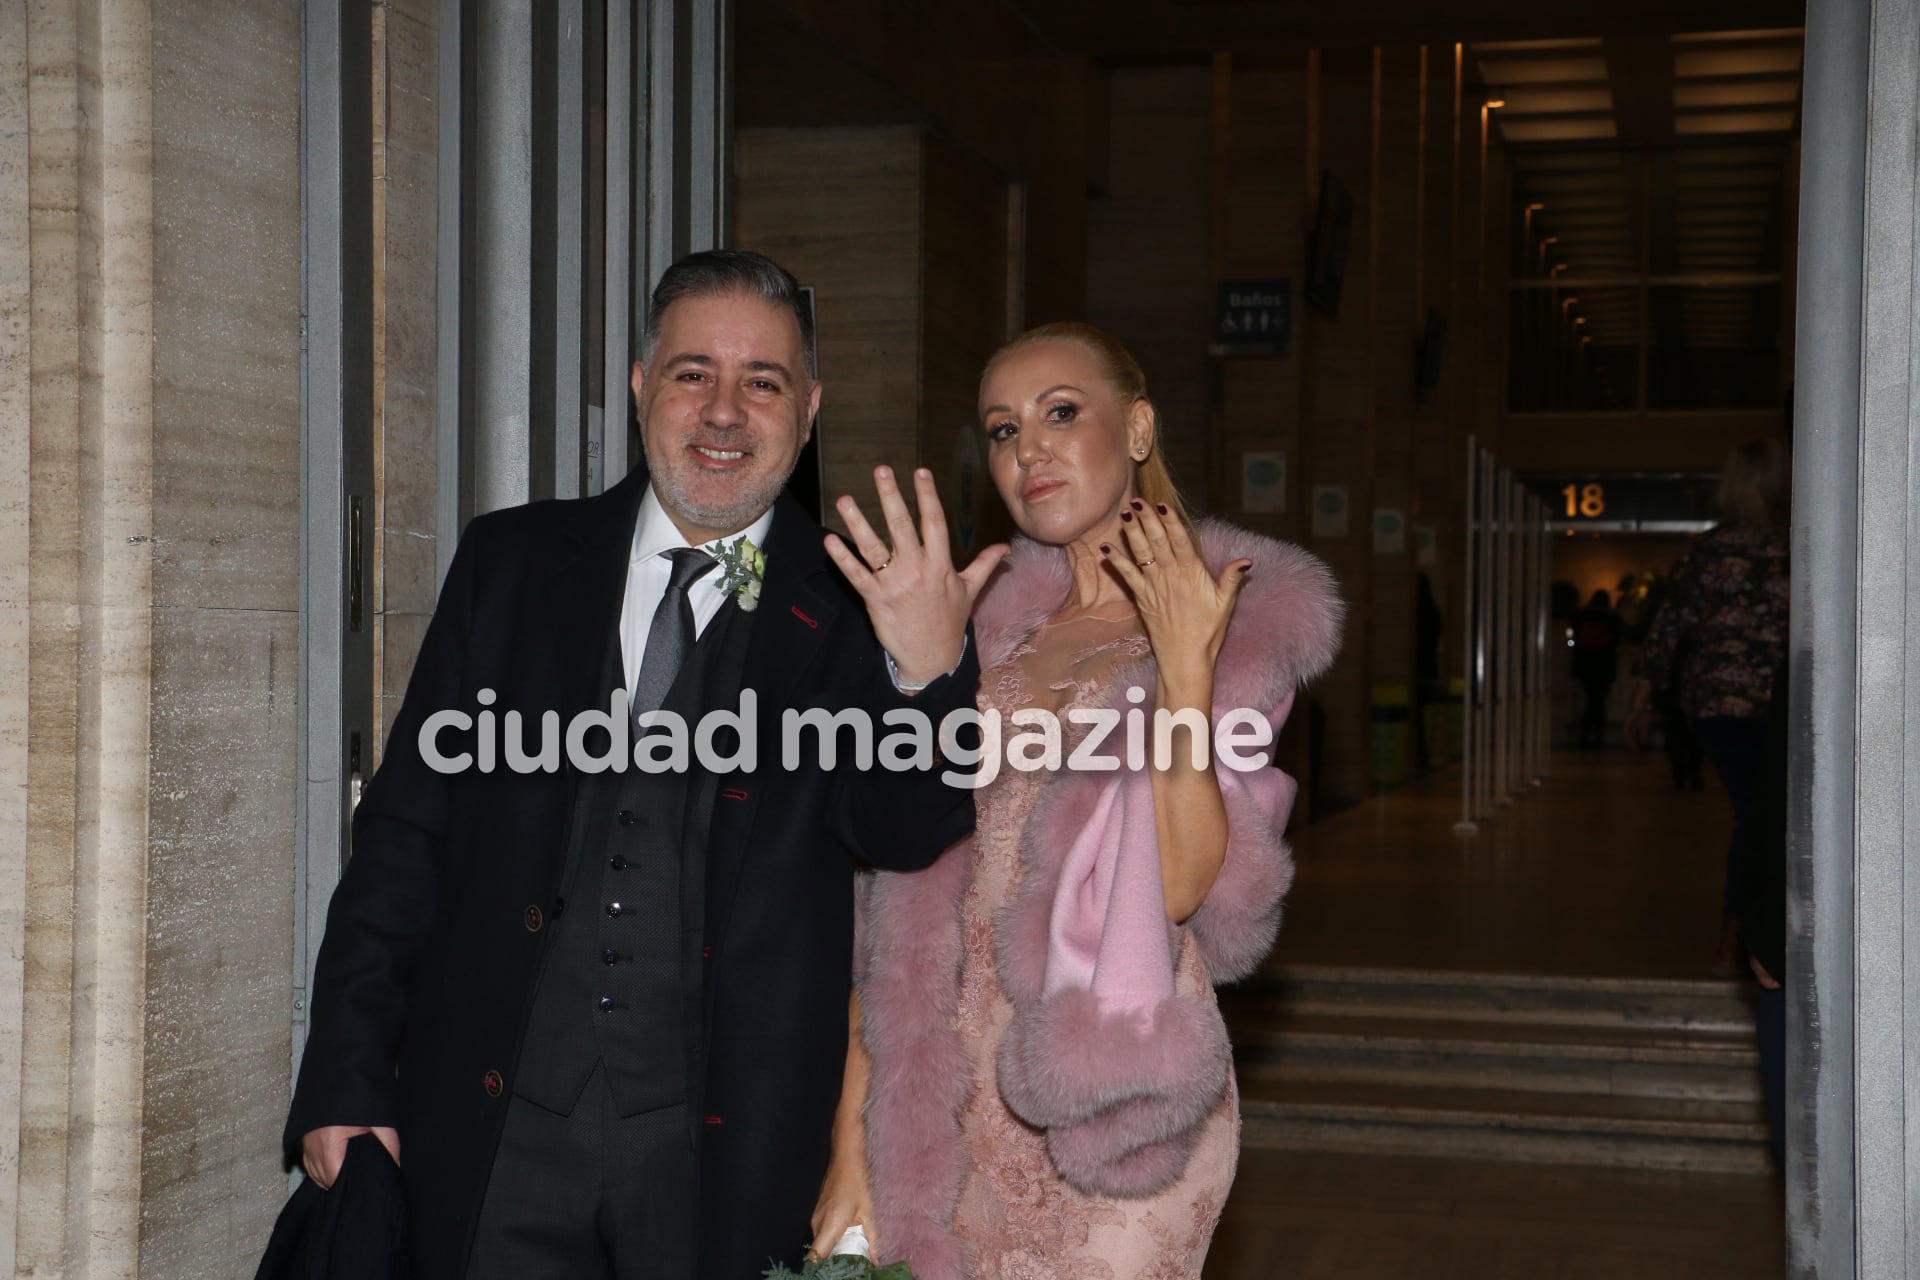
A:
1596,663
1676,731
1728,602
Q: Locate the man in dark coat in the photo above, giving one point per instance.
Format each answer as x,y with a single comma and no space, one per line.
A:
599,1016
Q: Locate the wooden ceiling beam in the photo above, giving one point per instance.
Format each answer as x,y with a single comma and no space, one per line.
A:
1641,70
1163,28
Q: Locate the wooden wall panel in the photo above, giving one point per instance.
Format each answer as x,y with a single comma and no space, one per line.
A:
840,208
1147,251
963,321
1262,232
1342,361
1395,335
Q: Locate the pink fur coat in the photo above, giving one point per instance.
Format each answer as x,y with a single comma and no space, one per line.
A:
1102,1054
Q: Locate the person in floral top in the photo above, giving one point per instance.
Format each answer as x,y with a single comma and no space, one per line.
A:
1728,602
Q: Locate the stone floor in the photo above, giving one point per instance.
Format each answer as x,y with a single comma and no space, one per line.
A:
1603,871
1327,1216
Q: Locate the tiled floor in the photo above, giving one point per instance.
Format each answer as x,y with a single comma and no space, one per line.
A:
1602,871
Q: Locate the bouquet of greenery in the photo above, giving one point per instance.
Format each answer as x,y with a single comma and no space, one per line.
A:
848,1262
842,1266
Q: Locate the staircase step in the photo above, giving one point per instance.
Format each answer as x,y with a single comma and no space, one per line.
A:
1707,1064
1506,1124
1675,1004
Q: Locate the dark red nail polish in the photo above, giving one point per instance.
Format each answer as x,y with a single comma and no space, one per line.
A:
1161,507
1126,515
1139,505
1105,550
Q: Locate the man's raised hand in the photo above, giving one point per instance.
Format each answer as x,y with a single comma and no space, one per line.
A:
917,601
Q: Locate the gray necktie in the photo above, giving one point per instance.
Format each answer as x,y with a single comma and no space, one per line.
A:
670,638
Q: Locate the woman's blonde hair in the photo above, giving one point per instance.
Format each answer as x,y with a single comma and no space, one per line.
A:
1122,373
1756,484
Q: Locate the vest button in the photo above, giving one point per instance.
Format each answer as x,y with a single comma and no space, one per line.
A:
614,909
610,956
619,862
534,919
627,817
605,1003
493,1084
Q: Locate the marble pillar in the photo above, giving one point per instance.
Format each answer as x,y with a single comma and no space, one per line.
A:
149,596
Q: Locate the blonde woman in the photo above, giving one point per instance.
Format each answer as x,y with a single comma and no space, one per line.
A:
1043,1087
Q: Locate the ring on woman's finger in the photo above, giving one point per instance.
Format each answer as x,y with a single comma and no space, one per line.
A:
882,566
1144,563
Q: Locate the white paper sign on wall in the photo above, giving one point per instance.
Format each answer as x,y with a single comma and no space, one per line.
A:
1263,483
1389,531
1329,511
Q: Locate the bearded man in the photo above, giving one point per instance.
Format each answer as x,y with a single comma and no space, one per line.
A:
599,1017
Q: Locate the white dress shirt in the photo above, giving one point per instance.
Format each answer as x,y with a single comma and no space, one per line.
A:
648,572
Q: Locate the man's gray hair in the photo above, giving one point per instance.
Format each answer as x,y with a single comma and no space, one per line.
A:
718,272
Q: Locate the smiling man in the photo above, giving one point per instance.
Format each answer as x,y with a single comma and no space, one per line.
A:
600,1018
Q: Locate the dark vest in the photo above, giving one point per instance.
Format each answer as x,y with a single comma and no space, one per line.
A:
621,981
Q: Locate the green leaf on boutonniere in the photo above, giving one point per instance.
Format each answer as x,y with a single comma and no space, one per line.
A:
743,568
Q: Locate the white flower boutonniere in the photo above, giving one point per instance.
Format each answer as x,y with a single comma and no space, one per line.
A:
743,567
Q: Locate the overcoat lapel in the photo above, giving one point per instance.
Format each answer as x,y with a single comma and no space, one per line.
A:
795,615
579,598
577,602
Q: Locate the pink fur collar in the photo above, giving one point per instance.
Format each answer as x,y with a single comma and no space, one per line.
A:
1286,624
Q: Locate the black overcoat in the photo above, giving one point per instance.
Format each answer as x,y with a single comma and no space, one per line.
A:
434,937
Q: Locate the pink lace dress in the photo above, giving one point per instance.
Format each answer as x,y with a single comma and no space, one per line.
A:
1016,1217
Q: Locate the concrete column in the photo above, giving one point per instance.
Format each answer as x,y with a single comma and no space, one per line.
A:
16,400
72,1206
1853,963
149,349
406,191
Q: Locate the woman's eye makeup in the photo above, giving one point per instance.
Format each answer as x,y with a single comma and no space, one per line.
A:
1062,411
999,431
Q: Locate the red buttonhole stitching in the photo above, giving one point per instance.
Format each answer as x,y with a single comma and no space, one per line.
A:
804,618
714,1120
733,793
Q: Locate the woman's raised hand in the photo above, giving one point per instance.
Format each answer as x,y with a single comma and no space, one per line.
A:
1183,607
917,601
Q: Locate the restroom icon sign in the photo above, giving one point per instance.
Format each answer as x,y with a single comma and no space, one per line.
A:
1252,316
